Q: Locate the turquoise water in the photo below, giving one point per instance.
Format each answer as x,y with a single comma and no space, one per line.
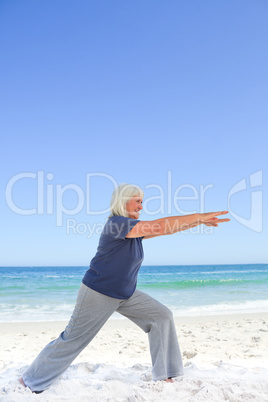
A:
49,293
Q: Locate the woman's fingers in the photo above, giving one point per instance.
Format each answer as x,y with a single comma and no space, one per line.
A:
210,218
210,215
219,213
215,221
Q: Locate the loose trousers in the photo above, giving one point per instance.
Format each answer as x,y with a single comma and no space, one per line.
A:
91,312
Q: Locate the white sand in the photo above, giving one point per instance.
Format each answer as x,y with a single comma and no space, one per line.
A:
225,359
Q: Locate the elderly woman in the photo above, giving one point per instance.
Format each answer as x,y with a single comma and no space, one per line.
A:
110,285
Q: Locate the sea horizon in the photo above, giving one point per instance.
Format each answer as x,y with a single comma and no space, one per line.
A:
146,265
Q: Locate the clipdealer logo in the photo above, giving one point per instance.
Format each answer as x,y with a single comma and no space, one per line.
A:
50,199
255,221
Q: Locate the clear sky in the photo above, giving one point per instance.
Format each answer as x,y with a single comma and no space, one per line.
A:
170,95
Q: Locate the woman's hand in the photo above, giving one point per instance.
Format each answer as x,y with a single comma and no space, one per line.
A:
210,218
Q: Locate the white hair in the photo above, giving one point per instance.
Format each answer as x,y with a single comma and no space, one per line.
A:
120,197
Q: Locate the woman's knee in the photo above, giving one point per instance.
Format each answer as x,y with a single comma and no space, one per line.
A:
164,314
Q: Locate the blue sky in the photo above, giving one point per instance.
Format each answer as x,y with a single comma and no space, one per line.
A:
170,95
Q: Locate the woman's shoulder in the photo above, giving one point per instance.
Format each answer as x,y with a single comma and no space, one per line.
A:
119,225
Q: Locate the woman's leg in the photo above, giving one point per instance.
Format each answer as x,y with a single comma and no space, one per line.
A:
92,310
157,320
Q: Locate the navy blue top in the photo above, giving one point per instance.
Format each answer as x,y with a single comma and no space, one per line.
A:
114,269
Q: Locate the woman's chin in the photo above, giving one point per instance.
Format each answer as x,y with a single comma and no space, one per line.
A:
134,216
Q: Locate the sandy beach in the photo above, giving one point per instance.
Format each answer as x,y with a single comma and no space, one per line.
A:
225,359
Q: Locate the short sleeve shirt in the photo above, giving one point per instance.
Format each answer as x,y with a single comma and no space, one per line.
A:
114,269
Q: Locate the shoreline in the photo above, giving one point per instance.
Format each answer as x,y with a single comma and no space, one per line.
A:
124,322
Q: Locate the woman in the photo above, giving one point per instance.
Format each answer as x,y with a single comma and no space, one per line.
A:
110,285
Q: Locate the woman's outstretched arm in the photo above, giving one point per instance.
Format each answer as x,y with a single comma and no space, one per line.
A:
174,224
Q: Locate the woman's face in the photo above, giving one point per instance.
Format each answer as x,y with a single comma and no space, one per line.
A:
134,206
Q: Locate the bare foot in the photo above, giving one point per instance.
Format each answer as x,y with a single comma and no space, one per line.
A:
169,379
22,382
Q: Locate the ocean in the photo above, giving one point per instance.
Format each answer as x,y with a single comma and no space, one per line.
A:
49,293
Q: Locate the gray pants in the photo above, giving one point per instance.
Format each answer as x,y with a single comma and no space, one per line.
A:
92,310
